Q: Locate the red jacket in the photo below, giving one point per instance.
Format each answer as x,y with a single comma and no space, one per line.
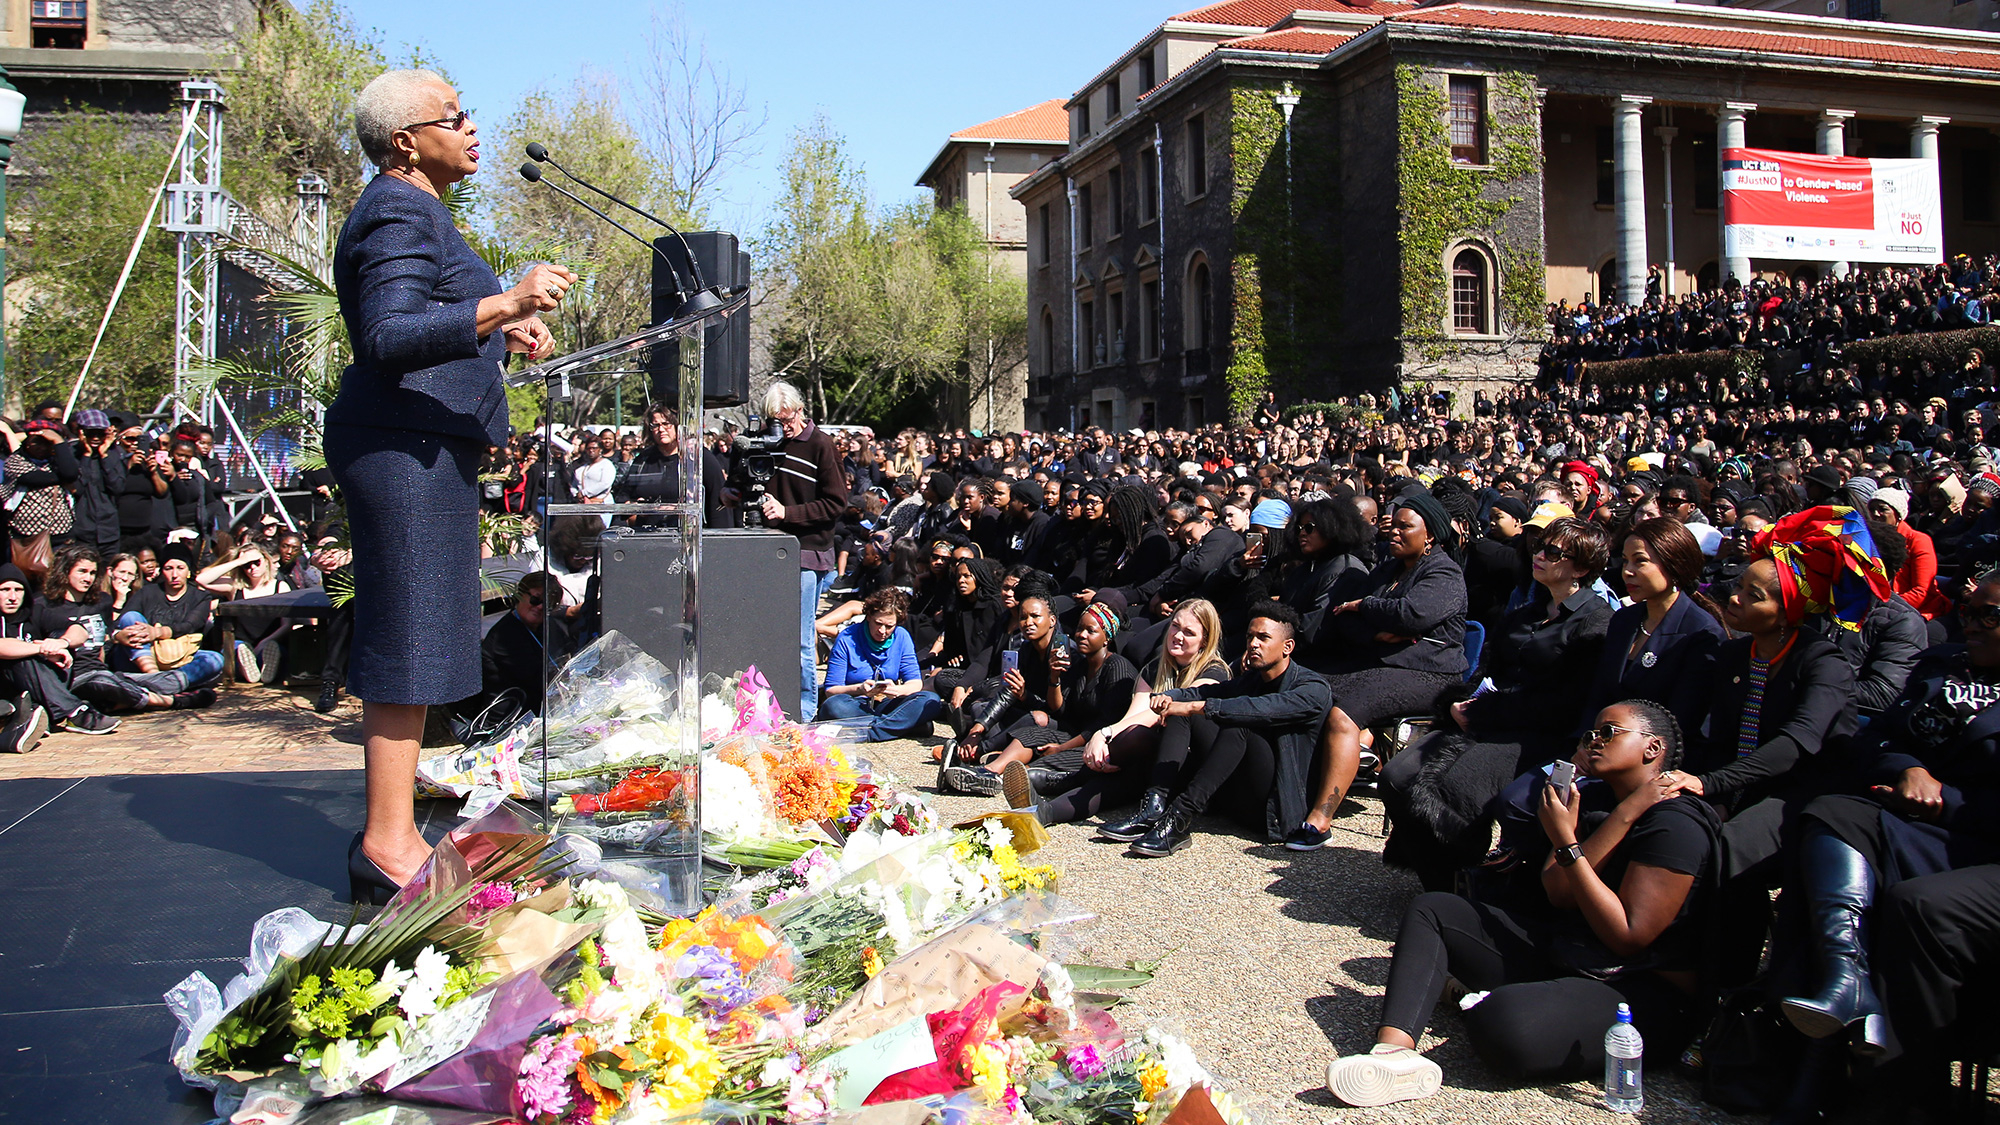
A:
1916,582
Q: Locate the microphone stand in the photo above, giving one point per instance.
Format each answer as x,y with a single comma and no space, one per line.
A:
540,154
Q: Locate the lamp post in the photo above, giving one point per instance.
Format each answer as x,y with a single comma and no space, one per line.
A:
12,103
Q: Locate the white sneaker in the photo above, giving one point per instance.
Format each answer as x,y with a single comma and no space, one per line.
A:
1383,1075
246,662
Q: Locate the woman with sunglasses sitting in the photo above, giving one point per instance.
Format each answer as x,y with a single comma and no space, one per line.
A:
1621,923
1437,793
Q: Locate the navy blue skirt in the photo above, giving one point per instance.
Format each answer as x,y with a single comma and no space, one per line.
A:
413,513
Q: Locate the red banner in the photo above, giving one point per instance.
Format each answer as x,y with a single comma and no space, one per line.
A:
1795,189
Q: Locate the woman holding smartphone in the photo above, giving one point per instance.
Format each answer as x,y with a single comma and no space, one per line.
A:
872,672
1031,687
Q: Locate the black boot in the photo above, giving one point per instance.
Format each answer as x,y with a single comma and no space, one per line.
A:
1152,807
1839,889
1173,832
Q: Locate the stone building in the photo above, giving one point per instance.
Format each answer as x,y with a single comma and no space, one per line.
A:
127,57
977,169
1321,202
1972,15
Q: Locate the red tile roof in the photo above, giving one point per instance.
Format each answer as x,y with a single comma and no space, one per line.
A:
1242,13
1047,121
1806,41
1296,40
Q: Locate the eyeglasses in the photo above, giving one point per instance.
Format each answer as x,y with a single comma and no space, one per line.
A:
535,601
1606,733
1551,552
456,122
1980,617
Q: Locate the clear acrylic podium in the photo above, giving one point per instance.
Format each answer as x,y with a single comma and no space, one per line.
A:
668,856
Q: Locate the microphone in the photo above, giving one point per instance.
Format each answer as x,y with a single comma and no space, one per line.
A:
533,175
702,298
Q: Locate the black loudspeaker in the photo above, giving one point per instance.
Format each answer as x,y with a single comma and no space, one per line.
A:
749,601
725,375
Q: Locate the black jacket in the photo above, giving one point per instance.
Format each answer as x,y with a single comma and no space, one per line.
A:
1189,574
1808,702
98,481
1289,712
1883,652
810,484
1427,603
1678,674
1537,664
975,632
1917,731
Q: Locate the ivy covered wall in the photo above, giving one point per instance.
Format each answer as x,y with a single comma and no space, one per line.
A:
1283,266
1441,203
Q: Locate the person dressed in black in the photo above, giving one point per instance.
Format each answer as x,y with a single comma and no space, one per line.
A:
974,627
1437,792
1046,752
1626,895
27,720
418,408
513,656
1247,742
1406,643
100,477
1904,850
141,487
1025,694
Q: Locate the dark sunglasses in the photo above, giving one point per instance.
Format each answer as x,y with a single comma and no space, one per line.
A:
536,600
1601,735
1550,551
1983,617
455,122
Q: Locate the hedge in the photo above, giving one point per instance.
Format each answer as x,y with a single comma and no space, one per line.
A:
1674,365
1938,347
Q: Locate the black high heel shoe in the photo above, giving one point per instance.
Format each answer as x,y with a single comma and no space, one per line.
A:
365,882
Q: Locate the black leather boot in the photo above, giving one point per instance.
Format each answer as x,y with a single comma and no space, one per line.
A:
1173,832
1839,890
1152,807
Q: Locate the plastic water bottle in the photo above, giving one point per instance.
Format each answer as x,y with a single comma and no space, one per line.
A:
1624,1061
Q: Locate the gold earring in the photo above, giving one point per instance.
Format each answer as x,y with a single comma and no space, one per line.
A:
416,158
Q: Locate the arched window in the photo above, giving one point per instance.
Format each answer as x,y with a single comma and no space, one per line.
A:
1200,305
1471,294
1706,280
1607,280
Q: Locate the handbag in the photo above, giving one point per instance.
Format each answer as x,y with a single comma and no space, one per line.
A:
1750,1054
35,555
173,652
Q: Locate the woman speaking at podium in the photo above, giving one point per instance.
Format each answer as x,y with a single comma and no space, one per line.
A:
430,328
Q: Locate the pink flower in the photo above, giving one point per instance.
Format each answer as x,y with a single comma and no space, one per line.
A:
1084,1061
545,1085
490,897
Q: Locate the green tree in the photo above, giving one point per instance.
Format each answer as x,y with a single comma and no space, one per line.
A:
291,107
813,255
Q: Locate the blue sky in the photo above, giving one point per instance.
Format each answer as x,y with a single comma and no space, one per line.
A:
895,77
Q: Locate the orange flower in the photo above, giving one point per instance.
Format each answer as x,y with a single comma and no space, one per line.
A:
607,1101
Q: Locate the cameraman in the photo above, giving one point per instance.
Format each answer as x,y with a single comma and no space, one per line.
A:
807,493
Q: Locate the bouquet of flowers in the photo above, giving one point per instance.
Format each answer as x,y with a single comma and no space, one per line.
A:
658,1025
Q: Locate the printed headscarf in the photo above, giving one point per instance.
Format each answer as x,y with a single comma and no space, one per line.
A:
1827,563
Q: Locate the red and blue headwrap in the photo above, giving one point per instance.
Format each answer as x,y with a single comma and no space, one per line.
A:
1827,563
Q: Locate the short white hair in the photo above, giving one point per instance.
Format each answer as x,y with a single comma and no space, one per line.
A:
780,397
394,100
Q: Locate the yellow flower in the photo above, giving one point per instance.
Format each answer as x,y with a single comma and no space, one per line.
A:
1152,1080
871,962
685,1066
989,1070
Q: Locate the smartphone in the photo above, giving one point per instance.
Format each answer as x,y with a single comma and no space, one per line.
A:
1010,661
1254,538
1564,776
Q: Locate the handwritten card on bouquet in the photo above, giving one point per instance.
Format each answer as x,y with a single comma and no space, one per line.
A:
863,1066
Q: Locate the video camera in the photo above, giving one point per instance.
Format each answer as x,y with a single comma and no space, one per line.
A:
759,455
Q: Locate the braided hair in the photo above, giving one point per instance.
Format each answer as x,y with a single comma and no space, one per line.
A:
1132,510
1661,724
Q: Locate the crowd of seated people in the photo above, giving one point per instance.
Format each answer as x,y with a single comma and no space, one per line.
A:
1765,662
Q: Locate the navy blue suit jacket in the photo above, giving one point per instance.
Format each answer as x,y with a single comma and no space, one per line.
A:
1682,671
409,291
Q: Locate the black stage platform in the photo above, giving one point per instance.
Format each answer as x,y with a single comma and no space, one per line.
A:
112,889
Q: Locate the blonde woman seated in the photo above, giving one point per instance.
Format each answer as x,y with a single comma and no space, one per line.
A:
1117,758
251,573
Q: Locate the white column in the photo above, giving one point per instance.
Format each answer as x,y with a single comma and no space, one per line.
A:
1833,142
1729,134
1923,137
1666,135
1628,177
